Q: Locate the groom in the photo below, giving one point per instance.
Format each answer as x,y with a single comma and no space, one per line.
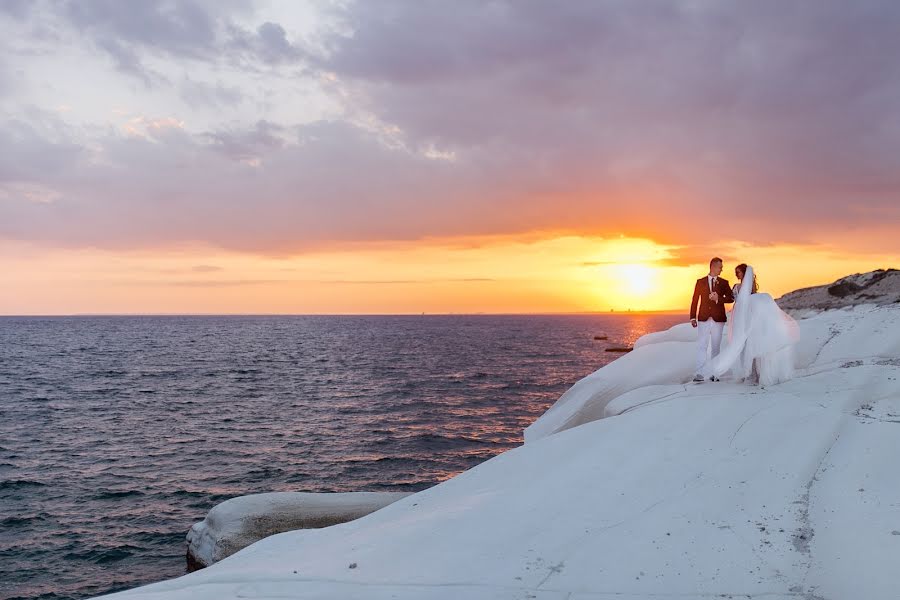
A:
713,292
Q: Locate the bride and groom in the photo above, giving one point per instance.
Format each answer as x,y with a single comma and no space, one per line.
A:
759,343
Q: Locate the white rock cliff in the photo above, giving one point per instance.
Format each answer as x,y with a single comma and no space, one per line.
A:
636,485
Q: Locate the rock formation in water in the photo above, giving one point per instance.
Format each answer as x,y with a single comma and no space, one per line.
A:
239,522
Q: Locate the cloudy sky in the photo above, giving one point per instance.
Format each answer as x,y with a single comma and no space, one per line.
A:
397,156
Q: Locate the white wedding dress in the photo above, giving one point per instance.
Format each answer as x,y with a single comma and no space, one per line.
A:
757,331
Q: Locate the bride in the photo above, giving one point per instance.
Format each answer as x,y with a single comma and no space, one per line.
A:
760,339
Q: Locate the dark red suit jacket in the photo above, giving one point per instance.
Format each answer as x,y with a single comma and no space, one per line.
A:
708,308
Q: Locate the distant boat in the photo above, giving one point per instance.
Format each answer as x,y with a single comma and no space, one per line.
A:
622,349
601,337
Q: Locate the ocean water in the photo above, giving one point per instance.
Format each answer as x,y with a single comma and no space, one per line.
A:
118,433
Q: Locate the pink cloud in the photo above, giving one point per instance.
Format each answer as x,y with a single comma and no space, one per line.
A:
687,123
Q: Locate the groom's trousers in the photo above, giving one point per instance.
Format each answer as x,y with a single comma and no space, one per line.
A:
709,332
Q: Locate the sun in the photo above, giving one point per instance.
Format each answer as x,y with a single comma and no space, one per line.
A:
638,279
632,286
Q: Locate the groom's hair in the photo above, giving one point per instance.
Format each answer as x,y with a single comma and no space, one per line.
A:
714,261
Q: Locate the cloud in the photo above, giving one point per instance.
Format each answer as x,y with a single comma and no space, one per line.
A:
248,145
203,283
202,31
201,94
269,43
16,9
688,123
403,281
32,151
702,109
5,79
206,269
219,283
241,189
186,28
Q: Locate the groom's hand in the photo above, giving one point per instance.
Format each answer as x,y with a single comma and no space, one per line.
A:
693,322
714,297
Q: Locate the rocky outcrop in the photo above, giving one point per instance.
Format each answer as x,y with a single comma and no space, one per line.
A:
238,522
875,287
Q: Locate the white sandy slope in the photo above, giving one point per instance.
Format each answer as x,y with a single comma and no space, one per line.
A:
690,491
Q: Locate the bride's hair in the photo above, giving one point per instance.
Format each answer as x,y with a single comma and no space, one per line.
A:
743,269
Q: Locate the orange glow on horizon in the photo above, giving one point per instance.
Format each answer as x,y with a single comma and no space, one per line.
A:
532,273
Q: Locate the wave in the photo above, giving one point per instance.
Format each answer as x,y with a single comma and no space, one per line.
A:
103,556
159,537
115,494
17,521
13,484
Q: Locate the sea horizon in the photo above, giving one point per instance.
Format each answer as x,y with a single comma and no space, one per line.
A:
672,311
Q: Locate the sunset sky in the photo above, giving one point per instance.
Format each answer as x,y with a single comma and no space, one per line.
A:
233,156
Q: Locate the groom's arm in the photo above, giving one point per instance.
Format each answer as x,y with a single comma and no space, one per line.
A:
694,299
727,294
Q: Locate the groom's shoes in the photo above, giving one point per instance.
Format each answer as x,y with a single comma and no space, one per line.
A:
698,378
713,378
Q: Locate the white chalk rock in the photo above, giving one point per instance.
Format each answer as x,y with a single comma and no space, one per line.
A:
707,491
682,332
239,522
666,358
651,364
643,396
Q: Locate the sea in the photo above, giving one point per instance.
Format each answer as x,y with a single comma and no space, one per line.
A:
118,433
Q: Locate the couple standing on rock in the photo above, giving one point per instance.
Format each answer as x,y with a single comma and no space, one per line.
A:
759,344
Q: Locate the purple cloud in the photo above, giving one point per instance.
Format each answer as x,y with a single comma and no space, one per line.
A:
764,122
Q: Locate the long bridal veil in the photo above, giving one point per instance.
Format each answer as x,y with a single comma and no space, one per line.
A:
757,330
